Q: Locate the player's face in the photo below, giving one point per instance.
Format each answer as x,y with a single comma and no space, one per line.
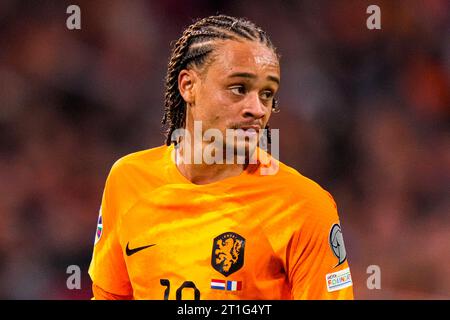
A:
237,89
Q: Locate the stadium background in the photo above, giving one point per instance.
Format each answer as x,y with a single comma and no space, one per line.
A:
364,113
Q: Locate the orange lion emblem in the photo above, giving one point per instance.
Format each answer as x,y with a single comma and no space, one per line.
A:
228,253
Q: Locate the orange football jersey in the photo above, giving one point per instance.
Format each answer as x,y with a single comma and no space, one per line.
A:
250,237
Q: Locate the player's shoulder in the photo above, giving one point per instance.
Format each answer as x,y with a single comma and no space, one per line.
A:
148,161
149,158
291,182
298,186
312,205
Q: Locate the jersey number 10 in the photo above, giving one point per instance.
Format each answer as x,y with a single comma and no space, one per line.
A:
179,293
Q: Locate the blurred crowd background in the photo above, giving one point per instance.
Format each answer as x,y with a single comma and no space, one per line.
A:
363,112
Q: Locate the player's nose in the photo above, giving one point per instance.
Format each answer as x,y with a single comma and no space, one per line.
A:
253,107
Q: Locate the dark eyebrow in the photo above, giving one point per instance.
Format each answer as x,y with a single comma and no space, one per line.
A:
252,76
274,79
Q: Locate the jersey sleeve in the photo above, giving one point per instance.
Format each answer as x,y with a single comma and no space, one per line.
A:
318,264
108,270
100,294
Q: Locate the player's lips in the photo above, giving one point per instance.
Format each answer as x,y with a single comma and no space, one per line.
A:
249,129
252,130
255,128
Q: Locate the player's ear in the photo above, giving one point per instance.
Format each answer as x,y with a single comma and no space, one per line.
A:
187,80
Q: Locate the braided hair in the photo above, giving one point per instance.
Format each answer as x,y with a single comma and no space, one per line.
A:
193,49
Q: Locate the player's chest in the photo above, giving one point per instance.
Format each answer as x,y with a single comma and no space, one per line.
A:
217,250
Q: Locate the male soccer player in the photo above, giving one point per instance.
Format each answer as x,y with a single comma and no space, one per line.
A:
174,227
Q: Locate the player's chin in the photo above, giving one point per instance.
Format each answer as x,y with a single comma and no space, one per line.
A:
245,148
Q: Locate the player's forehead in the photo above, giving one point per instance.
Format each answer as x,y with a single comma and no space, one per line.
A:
233,56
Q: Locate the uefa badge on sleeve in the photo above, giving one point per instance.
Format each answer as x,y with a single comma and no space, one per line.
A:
98,232
336,241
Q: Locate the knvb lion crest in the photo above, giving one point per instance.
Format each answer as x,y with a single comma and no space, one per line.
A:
228,253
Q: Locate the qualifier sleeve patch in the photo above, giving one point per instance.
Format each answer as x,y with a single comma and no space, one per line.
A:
339,280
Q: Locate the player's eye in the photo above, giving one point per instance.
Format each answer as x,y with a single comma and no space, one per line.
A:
267,94
238,90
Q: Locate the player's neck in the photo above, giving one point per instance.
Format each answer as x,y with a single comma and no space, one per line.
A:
203,173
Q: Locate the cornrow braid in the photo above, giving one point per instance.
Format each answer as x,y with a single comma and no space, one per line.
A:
193,49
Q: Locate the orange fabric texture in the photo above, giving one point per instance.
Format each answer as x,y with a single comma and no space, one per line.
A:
249,237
